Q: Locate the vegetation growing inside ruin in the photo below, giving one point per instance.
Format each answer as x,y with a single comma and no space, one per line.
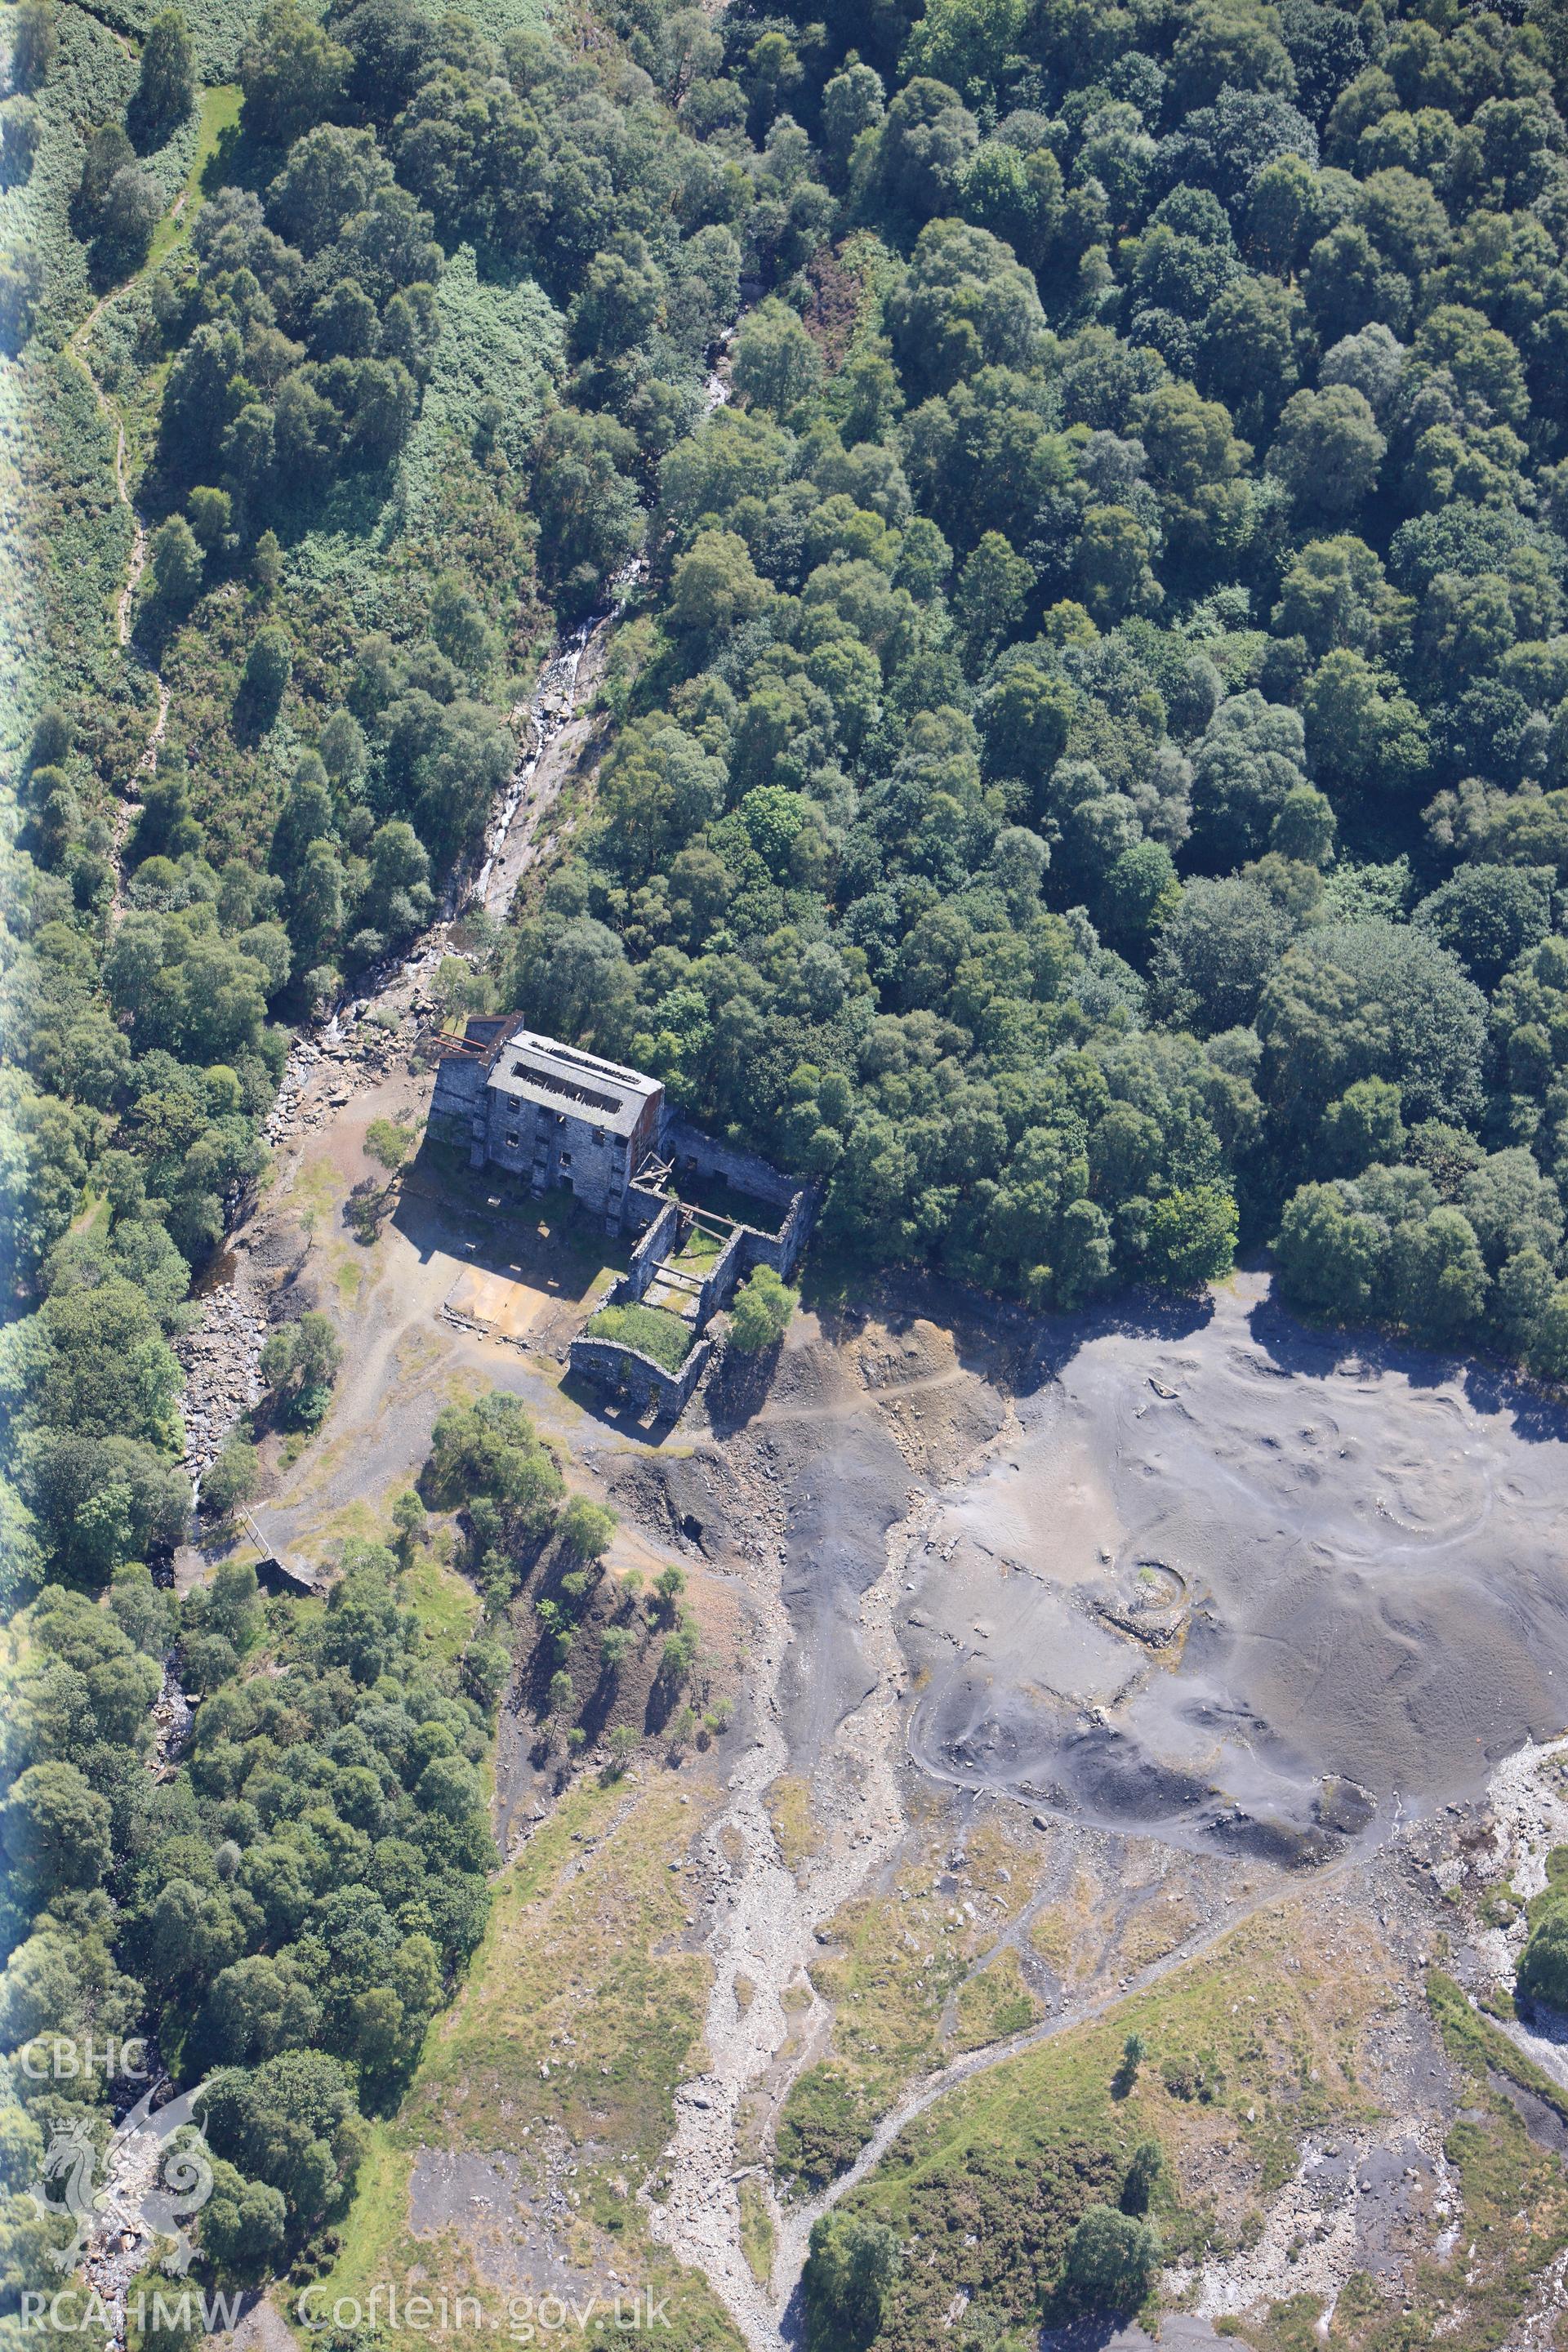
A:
652,1330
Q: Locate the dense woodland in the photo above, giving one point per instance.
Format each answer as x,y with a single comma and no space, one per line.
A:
1074,804
1087,781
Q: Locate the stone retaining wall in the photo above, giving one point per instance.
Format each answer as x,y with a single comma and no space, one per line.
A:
625,1371
747,1171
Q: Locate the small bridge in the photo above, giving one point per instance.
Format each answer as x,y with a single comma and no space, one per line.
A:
273,1572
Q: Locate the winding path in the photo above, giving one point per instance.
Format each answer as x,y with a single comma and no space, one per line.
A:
763,1936
766,1933
931,2087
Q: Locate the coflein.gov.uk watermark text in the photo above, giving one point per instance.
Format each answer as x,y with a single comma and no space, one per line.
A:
385,2310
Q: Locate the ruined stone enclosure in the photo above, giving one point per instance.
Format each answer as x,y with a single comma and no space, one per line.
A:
542,1115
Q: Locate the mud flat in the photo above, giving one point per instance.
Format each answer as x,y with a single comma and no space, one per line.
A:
1237,1581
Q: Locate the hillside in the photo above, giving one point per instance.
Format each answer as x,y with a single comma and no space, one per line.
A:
1069,508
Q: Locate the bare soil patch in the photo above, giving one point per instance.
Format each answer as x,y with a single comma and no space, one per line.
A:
1237,1583
497,1301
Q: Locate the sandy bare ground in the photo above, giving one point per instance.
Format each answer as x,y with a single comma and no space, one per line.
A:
1348,1561
451,1298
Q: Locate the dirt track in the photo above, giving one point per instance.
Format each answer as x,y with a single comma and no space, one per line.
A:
1202,1579
1300,1595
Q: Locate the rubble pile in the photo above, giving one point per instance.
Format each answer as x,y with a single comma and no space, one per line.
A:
221,1358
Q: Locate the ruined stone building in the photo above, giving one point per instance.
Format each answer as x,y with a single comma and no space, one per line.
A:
549,1114
538,1115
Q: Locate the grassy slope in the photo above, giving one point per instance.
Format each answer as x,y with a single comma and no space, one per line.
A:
1275,2036
64,543
579,2018
1279,2029
367,559
365,564
65,536
898,1956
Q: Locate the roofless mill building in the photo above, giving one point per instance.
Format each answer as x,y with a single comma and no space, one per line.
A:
547,1115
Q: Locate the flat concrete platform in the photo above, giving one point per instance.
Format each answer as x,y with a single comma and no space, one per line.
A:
499,1301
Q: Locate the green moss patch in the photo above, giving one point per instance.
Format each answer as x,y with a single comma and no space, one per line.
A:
649,1329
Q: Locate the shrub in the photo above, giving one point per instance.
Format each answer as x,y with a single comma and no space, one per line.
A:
587,1528
34,43
617,1643
178,563
679,1656
487,1458
126,220
1543,1972
298,1364
231,1480
1111,2260
852,2263
166,88
762,1311
388,1142
211,513
268,670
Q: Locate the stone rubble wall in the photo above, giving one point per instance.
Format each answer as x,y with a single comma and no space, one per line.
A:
783,1250
658,1242
625,1371
748,1171
720,1282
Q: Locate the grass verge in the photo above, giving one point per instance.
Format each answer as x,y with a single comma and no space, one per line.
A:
217,113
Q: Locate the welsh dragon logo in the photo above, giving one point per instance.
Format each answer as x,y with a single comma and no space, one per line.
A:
148,2186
